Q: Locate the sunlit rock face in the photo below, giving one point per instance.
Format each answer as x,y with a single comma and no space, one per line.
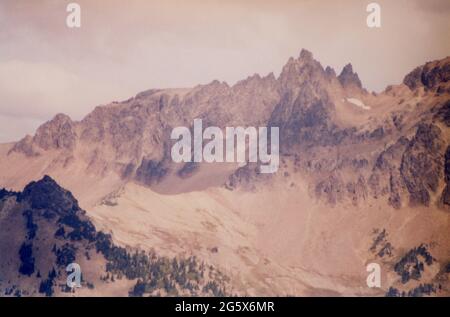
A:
359,175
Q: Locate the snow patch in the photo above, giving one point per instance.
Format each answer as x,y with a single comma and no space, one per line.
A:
358,103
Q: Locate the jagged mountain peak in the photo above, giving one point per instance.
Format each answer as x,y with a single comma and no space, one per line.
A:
47,194
305,58
41,234
304,69
57,133
331,73
305,55
433,75
348,77
59,121
130,139
46,184
390,154
255,81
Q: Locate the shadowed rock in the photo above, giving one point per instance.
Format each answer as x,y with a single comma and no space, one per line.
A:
422,164
348,78
431,75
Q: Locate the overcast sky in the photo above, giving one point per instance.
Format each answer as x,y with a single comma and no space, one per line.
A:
124,47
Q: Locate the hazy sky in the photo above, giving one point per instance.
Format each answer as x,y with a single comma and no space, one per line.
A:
124,47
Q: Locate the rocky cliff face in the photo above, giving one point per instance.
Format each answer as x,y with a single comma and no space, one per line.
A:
348,158
398,157
432,76
348,78
305,110
399,136
446,191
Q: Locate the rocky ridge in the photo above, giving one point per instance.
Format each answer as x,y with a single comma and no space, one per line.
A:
44,230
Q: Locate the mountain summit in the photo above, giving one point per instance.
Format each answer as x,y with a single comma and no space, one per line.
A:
311,105
360,174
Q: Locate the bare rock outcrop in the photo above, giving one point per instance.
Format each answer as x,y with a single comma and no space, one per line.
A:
348,77
446,192
422,164
347,155
433,76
